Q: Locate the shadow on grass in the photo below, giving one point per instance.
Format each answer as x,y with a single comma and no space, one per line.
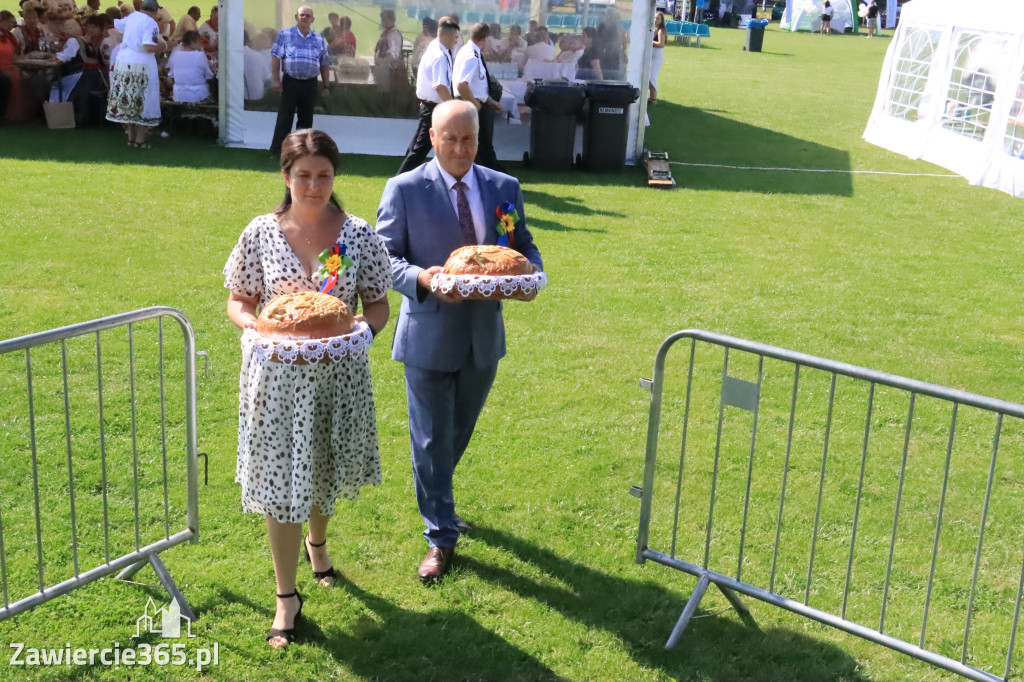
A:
641,615
570,206
105,144
439,645
695,135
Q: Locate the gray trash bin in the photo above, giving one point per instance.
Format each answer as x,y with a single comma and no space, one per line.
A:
555,104
607,125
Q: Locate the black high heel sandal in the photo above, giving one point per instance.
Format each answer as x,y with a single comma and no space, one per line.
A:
288,635
318,575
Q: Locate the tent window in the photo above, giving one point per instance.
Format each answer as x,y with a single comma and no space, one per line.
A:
911,74
972,84
1014,142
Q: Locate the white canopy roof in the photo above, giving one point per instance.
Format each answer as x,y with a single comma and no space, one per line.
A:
952,90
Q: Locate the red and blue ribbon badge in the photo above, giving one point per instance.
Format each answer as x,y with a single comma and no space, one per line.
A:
334,262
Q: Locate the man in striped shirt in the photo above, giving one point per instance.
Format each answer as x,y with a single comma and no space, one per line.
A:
299,53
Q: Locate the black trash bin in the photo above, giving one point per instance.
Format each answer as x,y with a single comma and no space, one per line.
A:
755,35
607,125
555,104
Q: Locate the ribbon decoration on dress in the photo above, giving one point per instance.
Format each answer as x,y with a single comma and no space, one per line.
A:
334,262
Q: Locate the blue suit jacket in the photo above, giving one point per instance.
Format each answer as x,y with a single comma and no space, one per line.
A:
420,229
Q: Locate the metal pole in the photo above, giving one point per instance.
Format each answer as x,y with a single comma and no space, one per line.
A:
71,466
896,514
938,523
682,449
860,491
35,471
981,536
750,468
163,428
821,488
103,450
785,476
714,475
691,607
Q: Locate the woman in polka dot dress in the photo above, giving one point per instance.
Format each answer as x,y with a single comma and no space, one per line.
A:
307,433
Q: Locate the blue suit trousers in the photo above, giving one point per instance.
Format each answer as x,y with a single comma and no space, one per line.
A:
443,409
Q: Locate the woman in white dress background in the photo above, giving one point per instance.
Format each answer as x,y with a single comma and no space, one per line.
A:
134,98
190,70
657,54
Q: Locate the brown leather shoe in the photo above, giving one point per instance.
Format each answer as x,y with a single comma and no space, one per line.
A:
435,564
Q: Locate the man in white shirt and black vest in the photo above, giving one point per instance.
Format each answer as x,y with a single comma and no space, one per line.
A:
471,84
433,86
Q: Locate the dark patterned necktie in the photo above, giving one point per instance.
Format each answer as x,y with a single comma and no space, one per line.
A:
465,214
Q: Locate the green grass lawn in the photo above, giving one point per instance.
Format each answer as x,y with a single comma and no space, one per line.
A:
918,276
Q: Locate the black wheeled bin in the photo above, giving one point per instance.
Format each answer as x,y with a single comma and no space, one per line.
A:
555,104
607,125
755,35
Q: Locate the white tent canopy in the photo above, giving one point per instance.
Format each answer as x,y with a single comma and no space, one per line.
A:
365,134
805,15
952,90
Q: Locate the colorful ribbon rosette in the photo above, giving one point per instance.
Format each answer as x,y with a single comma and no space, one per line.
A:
506,227
334,263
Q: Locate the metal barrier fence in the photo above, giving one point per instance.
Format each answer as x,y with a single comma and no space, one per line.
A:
86,459
891,470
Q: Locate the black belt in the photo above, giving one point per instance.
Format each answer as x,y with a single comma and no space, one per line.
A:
302,80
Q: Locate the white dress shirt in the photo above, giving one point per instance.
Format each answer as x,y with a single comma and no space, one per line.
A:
476,203
435,69
469,68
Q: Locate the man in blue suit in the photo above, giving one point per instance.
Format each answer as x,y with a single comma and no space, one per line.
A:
450,347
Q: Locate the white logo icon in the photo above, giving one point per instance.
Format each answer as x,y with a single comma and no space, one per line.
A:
165,621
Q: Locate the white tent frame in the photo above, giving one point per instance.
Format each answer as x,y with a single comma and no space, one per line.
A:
797,14
917,111
390,136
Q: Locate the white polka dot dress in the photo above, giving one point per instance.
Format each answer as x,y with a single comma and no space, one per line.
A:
307,434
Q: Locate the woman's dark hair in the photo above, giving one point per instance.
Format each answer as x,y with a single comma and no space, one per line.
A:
7,16
659,20
302,143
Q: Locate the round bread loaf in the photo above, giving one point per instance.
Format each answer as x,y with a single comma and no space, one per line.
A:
305,315
485,259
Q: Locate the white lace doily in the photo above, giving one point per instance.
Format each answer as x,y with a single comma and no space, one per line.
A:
490,286
308,352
